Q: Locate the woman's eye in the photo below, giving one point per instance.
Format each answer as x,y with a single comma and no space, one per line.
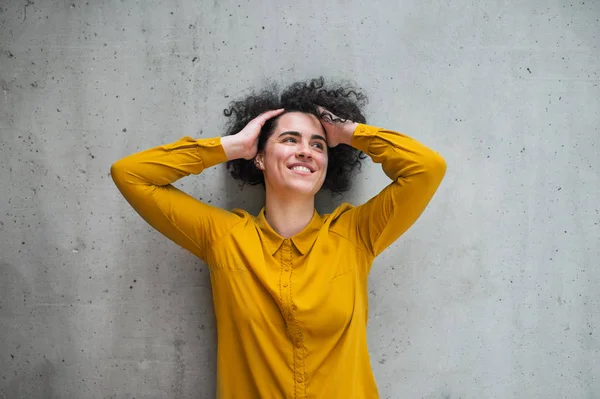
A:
318,145
289,140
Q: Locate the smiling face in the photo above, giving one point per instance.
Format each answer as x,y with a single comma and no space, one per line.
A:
294,160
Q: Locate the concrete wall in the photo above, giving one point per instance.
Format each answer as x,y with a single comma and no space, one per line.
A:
494,293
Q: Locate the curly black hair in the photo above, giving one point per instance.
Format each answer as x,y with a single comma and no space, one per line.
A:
343,100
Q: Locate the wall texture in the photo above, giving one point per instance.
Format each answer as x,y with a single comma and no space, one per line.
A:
494,293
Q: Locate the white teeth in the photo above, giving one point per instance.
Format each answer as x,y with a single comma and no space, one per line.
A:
301,169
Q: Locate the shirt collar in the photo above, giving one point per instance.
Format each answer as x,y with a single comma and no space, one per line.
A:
303,241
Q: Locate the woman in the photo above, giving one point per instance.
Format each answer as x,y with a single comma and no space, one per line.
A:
289,285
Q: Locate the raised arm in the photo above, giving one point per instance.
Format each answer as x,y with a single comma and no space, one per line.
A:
145,180
416,172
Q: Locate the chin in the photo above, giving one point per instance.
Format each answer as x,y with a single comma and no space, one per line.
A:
308,190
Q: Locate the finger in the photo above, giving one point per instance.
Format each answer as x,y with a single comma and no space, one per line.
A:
270,114
322,110
326,117
324,113
262,118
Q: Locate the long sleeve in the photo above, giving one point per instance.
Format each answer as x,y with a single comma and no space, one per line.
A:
416,172
145,180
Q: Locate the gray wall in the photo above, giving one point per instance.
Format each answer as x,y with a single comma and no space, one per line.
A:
494,293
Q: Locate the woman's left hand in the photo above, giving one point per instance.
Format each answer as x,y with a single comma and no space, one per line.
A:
338,130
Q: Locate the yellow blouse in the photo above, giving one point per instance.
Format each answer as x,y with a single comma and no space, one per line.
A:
291,313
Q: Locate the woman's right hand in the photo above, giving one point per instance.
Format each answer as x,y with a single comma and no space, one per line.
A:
245,143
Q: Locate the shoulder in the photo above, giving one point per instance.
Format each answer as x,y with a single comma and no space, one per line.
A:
344,223
241,213
338,212
340,220
243,216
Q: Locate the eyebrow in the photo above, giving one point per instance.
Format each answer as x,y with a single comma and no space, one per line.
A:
297,134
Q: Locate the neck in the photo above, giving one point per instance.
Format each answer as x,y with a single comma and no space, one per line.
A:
288,214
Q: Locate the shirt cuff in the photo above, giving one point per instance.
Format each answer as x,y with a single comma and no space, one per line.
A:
211,151
362,137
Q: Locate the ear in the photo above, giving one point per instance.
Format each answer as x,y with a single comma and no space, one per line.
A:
259,161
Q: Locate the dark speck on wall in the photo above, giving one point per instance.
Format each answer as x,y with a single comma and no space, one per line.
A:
528,70
194,59
124,130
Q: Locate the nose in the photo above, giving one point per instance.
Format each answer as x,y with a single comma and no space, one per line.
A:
303,151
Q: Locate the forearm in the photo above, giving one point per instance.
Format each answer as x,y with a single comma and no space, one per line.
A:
401,156
165,164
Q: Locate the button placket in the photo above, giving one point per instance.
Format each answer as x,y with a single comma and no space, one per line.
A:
286,275
289,313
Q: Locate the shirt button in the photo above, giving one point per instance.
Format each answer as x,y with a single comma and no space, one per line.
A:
362,129
285,284
212,141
